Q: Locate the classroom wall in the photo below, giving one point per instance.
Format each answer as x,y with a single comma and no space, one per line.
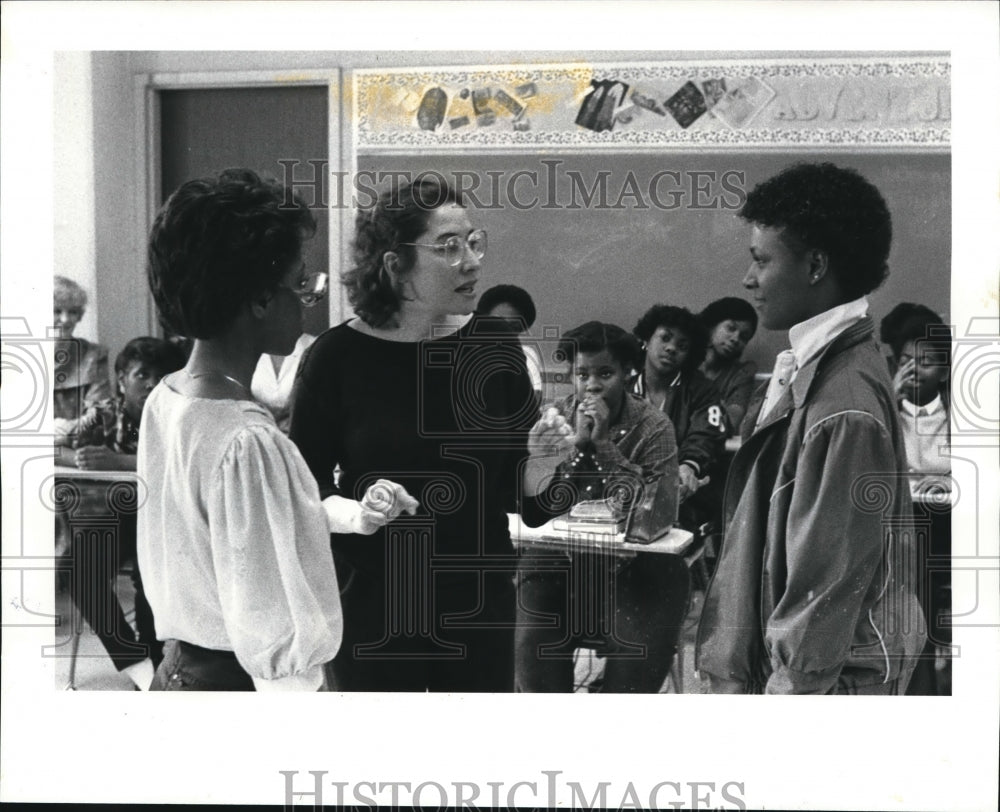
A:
117,228
73,183
682,244
204,130
687,255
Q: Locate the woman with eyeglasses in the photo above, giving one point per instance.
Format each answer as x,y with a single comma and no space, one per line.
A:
233,537
417,390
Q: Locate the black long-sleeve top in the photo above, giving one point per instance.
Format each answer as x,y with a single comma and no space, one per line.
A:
446,418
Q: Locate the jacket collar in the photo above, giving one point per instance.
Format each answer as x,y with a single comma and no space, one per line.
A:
798,391
855,334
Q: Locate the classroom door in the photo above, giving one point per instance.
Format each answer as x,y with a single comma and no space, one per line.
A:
206,130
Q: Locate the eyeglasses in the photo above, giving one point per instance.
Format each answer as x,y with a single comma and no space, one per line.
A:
311,289
454,247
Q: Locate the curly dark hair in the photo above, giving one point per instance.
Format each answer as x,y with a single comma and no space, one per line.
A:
833,209
679,318
218,243
516,297
729,307
162,355
399,216
595,336
901,313
928,329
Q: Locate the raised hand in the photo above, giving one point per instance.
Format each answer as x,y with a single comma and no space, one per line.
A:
552,435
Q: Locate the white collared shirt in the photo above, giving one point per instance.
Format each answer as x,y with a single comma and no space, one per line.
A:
809,337
274,390
925,431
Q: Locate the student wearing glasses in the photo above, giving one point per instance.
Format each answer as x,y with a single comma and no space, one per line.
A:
417,390
233,537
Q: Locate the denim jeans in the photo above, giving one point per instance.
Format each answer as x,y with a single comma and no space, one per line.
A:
95,564
187,667
630,611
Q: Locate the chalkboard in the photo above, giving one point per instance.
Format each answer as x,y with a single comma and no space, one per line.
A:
206,130
666,229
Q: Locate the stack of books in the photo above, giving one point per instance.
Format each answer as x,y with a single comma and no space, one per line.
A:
596,517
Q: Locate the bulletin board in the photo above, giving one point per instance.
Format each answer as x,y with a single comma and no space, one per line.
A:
606,189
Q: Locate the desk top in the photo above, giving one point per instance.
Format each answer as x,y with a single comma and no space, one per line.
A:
66,472
940,499
675,542
931,488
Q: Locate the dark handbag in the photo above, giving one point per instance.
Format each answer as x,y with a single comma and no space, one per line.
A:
655,512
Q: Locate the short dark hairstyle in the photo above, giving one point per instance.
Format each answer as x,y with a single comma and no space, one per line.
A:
516,297
399,216
162,355
729,307
682,319
833,209
218,243
594,336
895,318
927,329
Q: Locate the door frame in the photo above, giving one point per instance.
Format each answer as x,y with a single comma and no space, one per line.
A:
146,100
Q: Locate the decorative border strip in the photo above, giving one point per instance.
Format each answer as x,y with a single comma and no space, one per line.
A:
858,103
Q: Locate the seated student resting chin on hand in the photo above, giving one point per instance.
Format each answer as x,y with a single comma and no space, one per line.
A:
601,443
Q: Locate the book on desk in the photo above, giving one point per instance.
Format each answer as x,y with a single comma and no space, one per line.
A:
593,517
565,534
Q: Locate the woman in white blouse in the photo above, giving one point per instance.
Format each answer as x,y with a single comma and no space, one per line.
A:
234,544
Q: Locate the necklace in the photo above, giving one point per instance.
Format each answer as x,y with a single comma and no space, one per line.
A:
195,376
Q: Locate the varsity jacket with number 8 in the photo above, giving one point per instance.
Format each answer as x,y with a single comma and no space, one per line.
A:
695,407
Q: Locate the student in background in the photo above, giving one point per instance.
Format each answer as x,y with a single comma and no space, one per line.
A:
81,367
921,351
608,444
675,342
80,379
108,432
516,306
731,323
273,379
889,326
107,439
811,593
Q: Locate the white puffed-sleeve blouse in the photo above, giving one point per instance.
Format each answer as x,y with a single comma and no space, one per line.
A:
233,542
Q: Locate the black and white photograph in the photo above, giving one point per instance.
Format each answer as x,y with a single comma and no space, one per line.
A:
434,391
